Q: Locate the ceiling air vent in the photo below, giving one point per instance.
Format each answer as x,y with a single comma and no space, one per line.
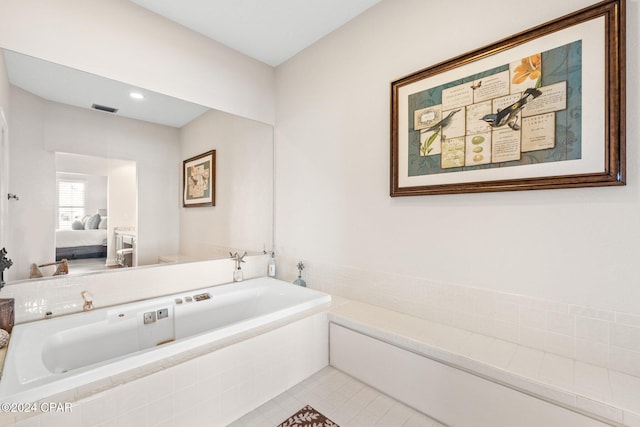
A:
104,108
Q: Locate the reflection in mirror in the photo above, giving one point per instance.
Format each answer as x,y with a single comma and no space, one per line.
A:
96,201
52,128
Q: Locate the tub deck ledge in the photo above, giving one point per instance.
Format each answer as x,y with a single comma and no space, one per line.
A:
596,391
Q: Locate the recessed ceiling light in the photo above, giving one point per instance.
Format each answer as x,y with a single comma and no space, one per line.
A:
136,95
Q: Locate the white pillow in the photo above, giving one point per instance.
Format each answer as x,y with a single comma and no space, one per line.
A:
93,222
103,223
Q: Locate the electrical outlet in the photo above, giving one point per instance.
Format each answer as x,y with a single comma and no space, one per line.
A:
149,317
162,313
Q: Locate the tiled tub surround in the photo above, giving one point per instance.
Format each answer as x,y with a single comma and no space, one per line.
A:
210,386
54,355
542,382
587,334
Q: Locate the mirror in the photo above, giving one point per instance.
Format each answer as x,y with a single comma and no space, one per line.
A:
50,120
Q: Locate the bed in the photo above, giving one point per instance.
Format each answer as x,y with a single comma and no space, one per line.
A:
82,243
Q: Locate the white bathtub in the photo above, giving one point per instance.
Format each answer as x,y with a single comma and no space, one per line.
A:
52,356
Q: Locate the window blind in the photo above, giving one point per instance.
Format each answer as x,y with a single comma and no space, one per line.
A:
71,202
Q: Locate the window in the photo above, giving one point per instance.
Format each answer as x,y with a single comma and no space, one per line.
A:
71,201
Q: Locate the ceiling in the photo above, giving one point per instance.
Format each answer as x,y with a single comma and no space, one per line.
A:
65,85
270,31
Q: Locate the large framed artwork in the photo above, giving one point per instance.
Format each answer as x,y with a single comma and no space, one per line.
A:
542,109
199,180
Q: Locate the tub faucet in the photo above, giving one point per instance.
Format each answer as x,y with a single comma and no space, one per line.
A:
88,301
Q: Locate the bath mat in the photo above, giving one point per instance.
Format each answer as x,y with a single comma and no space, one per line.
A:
308,417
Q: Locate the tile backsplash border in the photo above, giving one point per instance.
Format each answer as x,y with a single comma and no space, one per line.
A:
597,336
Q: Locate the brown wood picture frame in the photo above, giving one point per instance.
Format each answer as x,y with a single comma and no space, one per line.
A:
199,180
542,109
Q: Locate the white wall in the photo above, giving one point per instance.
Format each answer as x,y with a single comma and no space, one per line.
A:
4,86
4,150
41,128
32,171
97,195
577,246
243,215
122,41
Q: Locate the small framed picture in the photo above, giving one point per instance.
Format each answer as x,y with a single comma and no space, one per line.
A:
199,180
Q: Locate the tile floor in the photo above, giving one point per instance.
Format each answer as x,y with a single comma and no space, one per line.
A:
341,398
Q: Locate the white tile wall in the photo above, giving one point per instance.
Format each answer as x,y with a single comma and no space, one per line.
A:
588,334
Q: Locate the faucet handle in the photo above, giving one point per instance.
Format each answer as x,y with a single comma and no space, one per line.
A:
88,300
237,257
